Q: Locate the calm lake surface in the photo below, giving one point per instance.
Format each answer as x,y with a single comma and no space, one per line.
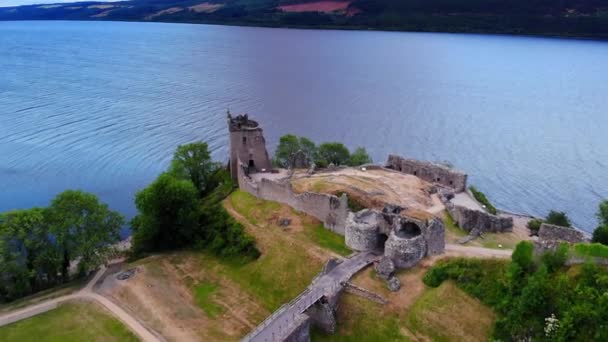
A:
101,106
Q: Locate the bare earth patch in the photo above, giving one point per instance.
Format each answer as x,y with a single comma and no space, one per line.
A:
206,7
161,295
321,6
101,6
372,188
171,10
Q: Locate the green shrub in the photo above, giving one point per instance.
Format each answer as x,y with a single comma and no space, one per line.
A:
523,255
556,260
481,198
600,234
483,279
534,225
359,157
558,218
591,250
523,300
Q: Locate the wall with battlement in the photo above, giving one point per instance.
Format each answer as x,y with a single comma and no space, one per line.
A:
430,172
329,209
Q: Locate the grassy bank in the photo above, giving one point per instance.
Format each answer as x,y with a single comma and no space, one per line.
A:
76,321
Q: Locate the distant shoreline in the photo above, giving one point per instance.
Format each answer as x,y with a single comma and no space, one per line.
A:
601,38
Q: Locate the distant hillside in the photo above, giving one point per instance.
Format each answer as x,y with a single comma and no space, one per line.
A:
584,18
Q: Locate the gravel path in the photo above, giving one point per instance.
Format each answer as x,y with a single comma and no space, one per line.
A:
87,293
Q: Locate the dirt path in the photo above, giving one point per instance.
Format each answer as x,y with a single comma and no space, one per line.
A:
86,293
477,252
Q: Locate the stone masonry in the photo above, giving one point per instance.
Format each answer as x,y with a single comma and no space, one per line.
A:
430,172
403,239
247,146
550,232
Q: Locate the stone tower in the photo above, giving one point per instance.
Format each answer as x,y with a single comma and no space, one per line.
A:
247,146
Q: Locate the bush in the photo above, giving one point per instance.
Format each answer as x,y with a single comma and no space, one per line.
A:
558,218
523,255
556,260
333,153
600,235
534,225
483,279
591,250
359,157
481,198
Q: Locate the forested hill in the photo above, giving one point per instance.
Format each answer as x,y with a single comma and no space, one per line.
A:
584,18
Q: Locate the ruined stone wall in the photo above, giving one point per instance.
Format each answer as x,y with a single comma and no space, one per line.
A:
550,232
469,220
430,172
405,252
299,331
434,234
362,232
248,145
329,209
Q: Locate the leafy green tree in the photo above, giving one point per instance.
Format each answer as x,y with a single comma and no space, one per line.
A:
289,144
359,157
309,148
602,213
558,218
84,228
25,235
193,162
333,153
600,235
168,215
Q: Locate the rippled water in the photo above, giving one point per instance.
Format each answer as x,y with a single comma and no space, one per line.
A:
101,106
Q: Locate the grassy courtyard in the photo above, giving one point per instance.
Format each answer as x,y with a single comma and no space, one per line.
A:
74,321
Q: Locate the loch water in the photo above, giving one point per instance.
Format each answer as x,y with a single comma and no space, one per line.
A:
101,106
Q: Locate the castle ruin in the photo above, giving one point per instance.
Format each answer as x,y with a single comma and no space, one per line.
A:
247,146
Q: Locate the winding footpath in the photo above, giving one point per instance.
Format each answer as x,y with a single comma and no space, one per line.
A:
87,293
275,325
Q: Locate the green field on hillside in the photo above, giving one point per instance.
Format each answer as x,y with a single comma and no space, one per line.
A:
75,321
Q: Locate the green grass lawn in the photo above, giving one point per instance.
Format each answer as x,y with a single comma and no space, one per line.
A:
447,313
203,293
451,226
327,239
362,320
75,321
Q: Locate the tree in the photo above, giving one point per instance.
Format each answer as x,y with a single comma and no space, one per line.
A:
84,229
168,215
600,235
25,240
309,148
289,144
602,213
558,218
193,162
359,157
333,153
